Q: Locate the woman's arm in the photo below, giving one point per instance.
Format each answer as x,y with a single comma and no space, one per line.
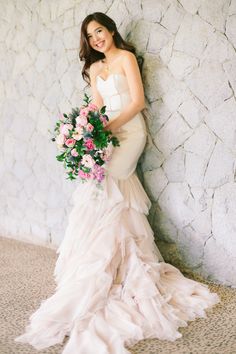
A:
131,69
96,97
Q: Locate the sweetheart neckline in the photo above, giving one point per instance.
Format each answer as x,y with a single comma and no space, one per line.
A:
110,76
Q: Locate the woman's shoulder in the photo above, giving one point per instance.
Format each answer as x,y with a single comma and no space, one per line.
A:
127,54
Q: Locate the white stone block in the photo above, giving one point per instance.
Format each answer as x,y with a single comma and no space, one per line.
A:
166,52
45,11
209,84
191,246
62,66
174,167
157,78
220,169
224,216
42,61
140,34
153,11
176,96
22,61
160,114
21,170
215,12
118,12
193,112
229,68
173,17
53,97
158,38
192,36
222,121
182,65
155,181
201,142
44,39
63,6
218,49
172,134
71,38
152,158
190,6
165,228
195,167
218,262
202,223
68,19
54,216
43,121
232,8
177,202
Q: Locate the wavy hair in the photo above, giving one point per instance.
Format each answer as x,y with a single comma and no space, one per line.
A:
90,55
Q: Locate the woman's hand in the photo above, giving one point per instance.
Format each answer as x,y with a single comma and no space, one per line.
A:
112,126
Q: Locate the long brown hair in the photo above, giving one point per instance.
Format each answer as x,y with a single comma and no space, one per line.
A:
90,55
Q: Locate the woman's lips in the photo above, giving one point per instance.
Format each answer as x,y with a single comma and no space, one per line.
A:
99,45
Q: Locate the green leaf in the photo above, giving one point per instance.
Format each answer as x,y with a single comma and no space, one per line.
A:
103,110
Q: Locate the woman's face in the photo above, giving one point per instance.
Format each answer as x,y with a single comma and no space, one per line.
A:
99,37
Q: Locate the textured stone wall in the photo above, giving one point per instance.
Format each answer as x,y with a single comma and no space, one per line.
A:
188,166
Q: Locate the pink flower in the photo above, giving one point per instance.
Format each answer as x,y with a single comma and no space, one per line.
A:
89,144
64,128
81,120
107,152
84,112
84,175
98,173
70,142
92,107
88,161
104,120
78,133
89,127
74,153
60,139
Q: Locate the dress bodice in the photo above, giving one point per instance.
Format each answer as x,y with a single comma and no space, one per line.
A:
116,97
114,91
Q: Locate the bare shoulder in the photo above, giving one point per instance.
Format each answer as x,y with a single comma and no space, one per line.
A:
127,55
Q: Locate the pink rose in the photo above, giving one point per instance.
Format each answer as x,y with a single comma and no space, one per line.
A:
88,161
84,175
92,107
98,173
89,144
81,120
84,112
74,153
107,152
64,128
60,139
89,127
78,133
70,142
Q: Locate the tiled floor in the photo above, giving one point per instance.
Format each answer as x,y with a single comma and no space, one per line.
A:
26,279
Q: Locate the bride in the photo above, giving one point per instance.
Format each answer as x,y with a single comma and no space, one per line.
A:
113,286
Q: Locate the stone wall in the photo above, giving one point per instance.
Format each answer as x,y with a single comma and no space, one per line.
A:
188,166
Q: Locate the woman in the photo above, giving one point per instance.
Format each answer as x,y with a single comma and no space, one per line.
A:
113,287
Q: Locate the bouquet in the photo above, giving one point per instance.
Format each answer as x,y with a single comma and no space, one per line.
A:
85,147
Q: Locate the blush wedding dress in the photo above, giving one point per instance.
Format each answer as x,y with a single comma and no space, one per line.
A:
113,286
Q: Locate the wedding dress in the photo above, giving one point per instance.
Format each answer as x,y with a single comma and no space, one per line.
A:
113,286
